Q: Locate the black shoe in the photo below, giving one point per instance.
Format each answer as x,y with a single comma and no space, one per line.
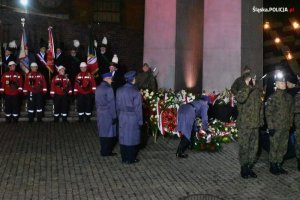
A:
56,119
65,120
298,160
80,119
274,169
87,119
245,171
181,155
8,119
251,172
133,161
15,119
281,170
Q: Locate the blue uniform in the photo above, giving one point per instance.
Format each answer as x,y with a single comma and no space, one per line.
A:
186,116
106,117
130,115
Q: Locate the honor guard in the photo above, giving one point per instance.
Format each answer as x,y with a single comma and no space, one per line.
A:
84,87
11,82
130,114
106,115
34,88
60,89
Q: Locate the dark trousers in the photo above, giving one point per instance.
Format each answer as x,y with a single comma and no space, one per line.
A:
12,106
60,105
35,104
128,153
183,145
107,145
84,104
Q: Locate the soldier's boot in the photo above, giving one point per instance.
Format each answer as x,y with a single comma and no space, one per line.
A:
245,171
274,169
64,119
251,172
8,119
39,116
30,117
280,169
80,118
56,119
298,164
179,153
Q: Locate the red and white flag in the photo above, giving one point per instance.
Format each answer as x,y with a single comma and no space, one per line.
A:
50,51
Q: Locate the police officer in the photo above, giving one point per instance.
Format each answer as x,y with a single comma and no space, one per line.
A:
249,119
186,116
279,116
60,89
84,87
106,115
11,82
146,79
239,82
130,115
34,88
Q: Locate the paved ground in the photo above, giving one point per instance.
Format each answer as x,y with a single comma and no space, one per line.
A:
58,161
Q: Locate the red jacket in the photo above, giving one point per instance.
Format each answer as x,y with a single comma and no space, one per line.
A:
35,83
60,85
84,83
11,83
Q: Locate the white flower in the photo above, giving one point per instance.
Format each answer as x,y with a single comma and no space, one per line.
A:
152,93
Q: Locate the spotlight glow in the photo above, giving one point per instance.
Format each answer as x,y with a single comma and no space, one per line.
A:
295,25
289,56
279,75
24,2
277,40
267,25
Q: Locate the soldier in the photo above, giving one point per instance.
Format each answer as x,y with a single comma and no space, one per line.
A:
84,87
130,115
279,116
106,115
186,116
239,82
34,88
11,82
117,76
104,57
60,89
249,119
146,79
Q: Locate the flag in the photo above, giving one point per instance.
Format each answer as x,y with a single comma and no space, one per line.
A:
50,51
92,57
23,56
1,64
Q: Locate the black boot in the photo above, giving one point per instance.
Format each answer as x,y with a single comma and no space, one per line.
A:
298,160
30,117
179,153
251,172
80,118
7,119
274,169
87,118
65,120
245,171
15,119
56,119
280,169
39,116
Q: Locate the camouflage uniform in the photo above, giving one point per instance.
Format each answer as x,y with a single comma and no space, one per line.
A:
279,116
249,120
297,126
237,85
146,80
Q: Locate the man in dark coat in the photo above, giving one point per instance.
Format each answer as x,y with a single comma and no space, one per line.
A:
8,57
130,114
249,119
104,57
117,75
41,60
146,79
72,65
186,117
106,115
59,57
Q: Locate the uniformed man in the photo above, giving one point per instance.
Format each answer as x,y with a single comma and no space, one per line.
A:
72,65
84,87
104,57
41,60
279,116
146,79
34,87
8,57
59,56
60,90
130,115
11,86
117,76
106,115
186,116
239,82
249,119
